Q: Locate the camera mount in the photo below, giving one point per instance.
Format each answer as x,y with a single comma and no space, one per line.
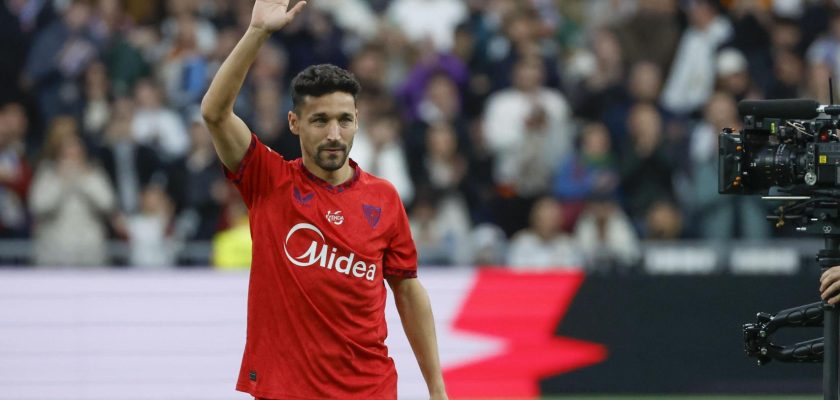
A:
818,215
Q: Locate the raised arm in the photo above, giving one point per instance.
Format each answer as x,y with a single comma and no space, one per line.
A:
231,136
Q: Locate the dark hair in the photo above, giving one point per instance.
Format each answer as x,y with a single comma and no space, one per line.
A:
318,80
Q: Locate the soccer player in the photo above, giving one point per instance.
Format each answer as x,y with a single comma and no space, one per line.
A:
326,235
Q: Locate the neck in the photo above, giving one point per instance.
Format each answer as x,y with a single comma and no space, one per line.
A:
334,178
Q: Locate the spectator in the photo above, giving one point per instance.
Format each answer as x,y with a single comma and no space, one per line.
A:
15,172
131,166
692,77
157,126
440,227
197,187
428,20
149,235
58,57
69,192
733,75
590,171
378,150
232,246
97,103
646,168
527,128
184,67
606,237
543,244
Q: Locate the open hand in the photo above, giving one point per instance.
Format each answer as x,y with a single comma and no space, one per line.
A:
272,15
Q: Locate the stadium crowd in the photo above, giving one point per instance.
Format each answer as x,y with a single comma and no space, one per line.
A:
519,132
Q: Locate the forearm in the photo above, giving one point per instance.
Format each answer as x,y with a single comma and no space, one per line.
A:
416,314
221,95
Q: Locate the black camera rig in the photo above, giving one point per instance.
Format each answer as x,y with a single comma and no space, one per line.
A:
789,151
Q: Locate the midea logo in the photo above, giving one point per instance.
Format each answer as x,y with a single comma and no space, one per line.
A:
325,256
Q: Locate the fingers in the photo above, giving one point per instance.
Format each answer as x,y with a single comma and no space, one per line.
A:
296,9
830,291
828,277
830,285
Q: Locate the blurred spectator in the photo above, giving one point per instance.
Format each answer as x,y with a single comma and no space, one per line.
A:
58,57
527,128
543,244
440,227
590,171
149,234
203,33
716,216
232,246
595,78
651,33
20,21
646,168
429,65
313,38
69,192
97,102
751,26
788,69
606,237
488,245
733,76
663,221
428,20
643,85
184,67
440,104
131,166
157,126
197,186
15,171
442,168
824,49
692,76
378,150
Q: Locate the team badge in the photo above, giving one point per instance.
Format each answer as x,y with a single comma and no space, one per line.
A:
372,214
303,199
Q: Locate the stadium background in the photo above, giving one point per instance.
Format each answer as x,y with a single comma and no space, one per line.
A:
569,143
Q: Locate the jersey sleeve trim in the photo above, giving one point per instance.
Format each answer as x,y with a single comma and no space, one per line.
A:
236,177
391,272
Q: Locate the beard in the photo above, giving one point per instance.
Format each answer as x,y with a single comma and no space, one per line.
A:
331,161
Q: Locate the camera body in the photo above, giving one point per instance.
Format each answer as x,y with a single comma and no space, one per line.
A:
777,150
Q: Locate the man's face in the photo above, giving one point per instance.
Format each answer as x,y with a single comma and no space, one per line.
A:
326,126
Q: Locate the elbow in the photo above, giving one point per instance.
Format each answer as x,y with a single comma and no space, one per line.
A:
211,114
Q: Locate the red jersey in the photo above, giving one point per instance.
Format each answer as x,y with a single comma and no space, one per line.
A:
316,298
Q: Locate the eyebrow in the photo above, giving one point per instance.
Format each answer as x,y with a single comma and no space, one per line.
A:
325,115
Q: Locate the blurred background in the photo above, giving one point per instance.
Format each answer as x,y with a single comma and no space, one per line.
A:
564,140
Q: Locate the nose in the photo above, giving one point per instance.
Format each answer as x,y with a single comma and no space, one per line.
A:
334,131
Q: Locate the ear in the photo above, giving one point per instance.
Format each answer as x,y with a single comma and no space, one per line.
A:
293,122
356,120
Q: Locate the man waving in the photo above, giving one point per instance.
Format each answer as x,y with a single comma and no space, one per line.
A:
326,236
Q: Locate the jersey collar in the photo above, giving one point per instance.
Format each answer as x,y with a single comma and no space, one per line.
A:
326,185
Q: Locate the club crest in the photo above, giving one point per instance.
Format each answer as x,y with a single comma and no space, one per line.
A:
372,214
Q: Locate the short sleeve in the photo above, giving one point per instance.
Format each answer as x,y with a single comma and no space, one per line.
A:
400,258
260,171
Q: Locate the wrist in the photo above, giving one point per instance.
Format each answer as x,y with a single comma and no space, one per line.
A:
258,31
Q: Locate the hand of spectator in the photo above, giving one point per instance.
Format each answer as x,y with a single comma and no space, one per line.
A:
830,284
272,15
